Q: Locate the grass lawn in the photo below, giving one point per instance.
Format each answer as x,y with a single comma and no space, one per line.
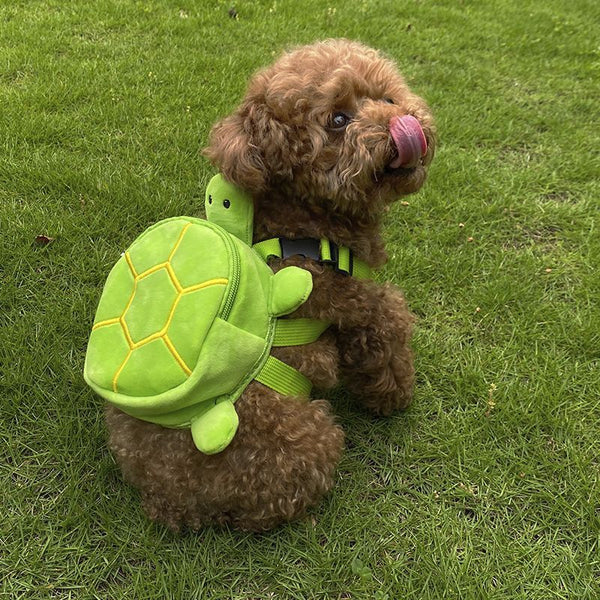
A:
488,486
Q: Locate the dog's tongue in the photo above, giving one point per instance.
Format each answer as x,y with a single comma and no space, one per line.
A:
409,140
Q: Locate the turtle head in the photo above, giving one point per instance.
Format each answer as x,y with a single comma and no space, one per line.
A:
230,207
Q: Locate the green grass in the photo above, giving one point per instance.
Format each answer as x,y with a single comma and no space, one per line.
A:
488,486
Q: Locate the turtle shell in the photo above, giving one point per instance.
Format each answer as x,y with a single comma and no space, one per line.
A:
187,302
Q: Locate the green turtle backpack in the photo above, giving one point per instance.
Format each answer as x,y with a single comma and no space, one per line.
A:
187,319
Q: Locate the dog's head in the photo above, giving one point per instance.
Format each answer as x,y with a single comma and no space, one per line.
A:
331,124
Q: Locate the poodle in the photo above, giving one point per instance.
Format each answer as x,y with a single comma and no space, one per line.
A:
317,143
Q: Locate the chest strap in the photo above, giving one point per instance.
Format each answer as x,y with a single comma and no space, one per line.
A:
296,332
276,374
341,258
284,379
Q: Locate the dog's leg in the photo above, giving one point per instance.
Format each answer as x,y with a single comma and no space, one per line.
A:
280,462
376,358
373,327
286,457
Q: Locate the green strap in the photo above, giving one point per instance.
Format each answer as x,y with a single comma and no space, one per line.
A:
344,259
362,270
268,248
283,379
297,332
325,248
355,267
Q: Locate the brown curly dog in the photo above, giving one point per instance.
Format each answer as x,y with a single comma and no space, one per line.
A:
315,142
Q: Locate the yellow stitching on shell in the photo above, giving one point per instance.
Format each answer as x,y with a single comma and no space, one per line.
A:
150,338
122,317
126,331
173,277
130,263
105,323
199,286
170,317
176,356
116,377
163,332
178,242
162,265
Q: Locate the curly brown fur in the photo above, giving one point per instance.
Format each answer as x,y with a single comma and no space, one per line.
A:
281,460
307,180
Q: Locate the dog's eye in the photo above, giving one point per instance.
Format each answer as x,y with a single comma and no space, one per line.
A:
339,120
388,100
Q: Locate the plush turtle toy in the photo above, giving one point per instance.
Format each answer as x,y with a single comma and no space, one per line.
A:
187,319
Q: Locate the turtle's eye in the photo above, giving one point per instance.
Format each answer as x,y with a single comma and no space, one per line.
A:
226,203
209,199
339,121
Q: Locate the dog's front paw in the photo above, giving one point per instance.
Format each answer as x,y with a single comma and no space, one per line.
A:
378,368
391,387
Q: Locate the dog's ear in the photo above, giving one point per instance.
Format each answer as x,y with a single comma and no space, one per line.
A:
250,147
232,152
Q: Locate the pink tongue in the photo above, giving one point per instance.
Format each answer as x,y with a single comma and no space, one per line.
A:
409,139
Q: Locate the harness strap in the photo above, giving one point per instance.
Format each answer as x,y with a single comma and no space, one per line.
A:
284,379
268,248
341,258
297,332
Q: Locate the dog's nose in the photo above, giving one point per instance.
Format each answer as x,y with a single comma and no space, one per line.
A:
409,139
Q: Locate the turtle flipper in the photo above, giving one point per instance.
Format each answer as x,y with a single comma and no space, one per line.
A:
215,427
290,288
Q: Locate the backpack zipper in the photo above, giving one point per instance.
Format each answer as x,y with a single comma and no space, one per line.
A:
235,277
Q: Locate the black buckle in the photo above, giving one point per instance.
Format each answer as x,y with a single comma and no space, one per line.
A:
311,248
307,247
